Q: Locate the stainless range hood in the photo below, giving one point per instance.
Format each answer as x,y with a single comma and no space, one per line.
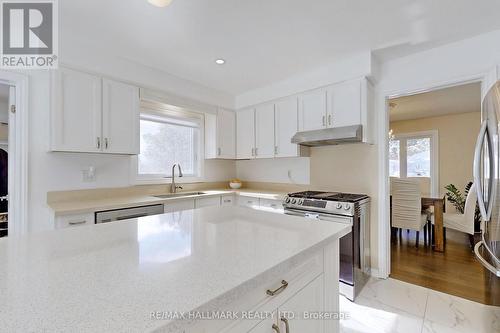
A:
329,136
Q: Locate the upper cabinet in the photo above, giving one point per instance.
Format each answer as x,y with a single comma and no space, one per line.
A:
286,124
312,110
344,104
93,115
245,134
120,117
264,131
220,135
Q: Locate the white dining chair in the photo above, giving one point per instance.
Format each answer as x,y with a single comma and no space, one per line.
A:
463,222
407,206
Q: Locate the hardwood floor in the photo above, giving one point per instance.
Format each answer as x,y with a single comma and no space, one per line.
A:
456,271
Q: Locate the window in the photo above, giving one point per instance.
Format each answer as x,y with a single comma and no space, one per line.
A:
168,138
412,155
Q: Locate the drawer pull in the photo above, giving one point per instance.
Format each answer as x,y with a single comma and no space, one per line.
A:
287,325
227,200
77,222
284,284
276,328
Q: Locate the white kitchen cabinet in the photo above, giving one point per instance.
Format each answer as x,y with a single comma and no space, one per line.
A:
120,118
344,107
90,114
266,326
312,110
220,135
76,112
307,300
74,220
245,134
176,206
207,202
269,204
285,126
227,200
248,201
264,131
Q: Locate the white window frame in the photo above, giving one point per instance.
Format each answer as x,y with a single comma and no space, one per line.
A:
161,109
433,135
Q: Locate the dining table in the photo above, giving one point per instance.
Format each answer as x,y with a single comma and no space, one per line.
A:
439,208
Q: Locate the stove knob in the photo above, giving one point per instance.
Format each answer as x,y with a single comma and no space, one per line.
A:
287,200
347,207
339,206
300,201
294,201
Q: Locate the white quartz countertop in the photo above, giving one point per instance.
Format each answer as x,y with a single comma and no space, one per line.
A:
110,277
91,205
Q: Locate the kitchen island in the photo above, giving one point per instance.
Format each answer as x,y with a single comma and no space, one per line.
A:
216,269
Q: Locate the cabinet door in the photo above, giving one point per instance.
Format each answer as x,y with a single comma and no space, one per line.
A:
211,144
65,221
76,112
264,131
312,110
271,205
207,202
248,202
285,126
176,206
309,299
344,104
245,134
266,326
226,134
120,118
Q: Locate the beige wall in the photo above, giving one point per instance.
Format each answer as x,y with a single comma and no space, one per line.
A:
349,168
457,138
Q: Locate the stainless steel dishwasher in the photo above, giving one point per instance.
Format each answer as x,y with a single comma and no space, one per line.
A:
127,213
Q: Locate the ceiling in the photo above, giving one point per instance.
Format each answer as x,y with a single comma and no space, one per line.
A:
264,41
459,99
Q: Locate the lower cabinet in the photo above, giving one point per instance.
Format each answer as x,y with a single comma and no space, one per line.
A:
65,221
207,202
248,201
178,205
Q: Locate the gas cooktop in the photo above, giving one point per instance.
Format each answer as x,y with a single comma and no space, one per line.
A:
329,196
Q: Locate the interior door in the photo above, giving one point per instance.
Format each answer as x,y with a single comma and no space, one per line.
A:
245,134
76,111
120,118
286,125
312,110
264,131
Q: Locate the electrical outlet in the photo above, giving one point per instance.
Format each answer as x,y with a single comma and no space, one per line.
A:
88,174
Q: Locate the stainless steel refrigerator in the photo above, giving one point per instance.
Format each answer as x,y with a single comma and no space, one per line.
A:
487,178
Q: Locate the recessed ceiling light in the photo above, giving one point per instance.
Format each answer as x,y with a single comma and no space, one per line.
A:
220,61
160,3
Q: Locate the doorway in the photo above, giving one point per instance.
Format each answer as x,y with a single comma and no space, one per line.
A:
431,143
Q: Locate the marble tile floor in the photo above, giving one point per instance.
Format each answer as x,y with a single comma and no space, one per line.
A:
390,305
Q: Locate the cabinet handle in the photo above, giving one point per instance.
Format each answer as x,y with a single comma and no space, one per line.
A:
275,150
276,328
330,120
253,151
227,200
106,143
77,222
218,151
98,143
287,325
277,291
256,151
323,120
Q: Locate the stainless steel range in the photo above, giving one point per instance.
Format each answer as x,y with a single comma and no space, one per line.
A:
347,208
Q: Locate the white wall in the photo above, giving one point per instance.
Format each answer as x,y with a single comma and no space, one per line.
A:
293,170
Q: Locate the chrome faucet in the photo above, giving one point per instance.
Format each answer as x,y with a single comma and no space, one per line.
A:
173,187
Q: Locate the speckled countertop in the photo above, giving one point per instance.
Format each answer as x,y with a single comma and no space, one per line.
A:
101,203
110,277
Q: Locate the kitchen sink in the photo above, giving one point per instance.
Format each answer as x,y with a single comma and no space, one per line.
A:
176,195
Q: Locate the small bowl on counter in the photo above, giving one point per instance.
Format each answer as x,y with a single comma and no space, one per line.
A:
235,184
